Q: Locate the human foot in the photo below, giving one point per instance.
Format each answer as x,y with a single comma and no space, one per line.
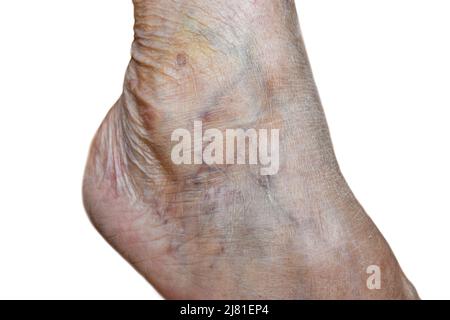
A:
226,231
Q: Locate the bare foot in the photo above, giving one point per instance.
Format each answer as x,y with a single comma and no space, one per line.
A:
226,231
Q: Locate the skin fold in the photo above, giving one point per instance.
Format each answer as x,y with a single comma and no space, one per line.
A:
225,231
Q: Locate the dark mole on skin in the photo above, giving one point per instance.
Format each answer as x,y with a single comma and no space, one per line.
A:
181,59
264,182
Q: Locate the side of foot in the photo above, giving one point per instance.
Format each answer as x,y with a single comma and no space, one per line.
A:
226,231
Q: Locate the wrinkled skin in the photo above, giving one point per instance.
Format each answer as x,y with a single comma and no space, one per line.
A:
226,232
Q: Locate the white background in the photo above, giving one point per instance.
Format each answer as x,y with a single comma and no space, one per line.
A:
383,71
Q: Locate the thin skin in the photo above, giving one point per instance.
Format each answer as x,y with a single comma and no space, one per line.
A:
226,232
